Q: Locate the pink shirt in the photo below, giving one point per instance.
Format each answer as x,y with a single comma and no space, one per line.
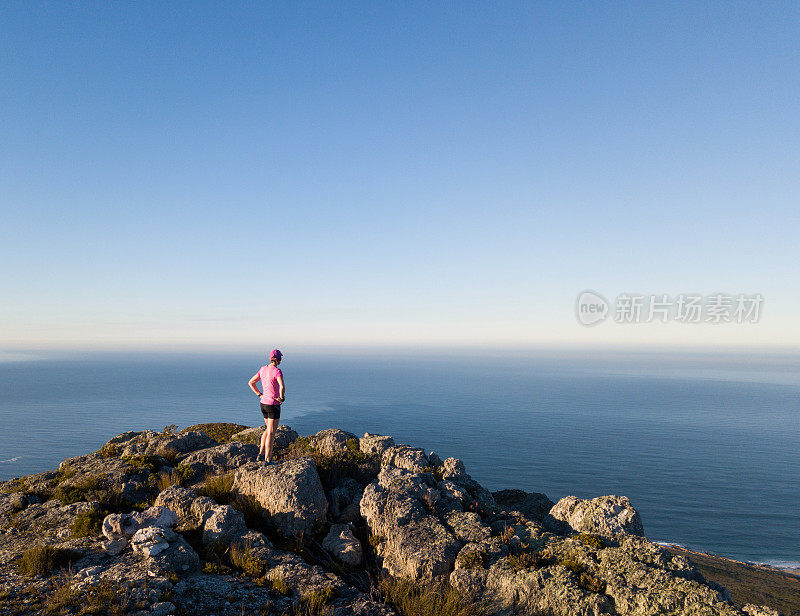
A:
269,383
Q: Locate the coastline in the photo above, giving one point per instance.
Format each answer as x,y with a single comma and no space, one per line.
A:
748,582
793,571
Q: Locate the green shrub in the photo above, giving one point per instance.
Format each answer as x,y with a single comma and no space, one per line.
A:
86,488
591,540
88,523
220,432
141,463
243,559
18,484
315,603
354,447
109,450
216,568
168,452
586,580
184,472
42,559
332,468
66,471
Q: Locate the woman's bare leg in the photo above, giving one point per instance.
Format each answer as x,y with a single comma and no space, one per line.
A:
262,450
269,433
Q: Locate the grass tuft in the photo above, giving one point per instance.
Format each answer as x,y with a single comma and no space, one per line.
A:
218,487
437,599
88,523
42,559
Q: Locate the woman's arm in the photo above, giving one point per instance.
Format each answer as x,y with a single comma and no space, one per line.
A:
282,391
252,383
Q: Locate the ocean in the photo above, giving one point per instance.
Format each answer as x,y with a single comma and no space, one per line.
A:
704,445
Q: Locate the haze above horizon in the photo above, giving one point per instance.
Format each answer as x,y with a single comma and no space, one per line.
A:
377,175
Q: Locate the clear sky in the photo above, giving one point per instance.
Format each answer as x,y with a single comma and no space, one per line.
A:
193,174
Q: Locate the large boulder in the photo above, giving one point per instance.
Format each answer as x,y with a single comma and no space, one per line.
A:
406,457
220,459
604,515
223,523
179,500
415,543
290,492
375,444
151,540
151,442
117,525
533,505
331,441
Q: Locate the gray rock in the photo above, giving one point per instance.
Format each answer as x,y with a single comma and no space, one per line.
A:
604,515
112,547
403,456
224,523
18,501
453,467
344,500
375,444
179,558
467,526
117,525
201,508
533,505
152,540
342,543
220,459
331,441
290,491
415,543
179,500
162,609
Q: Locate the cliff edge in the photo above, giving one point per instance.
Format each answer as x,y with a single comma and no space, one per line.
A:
187,522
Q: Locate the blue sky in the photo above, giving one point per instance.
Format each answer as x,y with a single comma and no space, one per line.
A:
277,174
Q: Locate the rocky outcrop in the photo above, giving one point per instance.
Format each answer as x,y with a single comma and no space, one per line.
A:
150,442
284,436
383,505
533,505
399,507
291,493
220,459
375,444
331,441
604,515
117,525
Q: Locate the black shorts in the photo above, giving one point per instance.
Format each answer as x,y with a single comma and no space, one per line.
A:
271,411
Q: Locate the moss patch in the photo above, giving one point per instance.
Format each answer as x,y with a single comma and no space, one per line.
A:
220,432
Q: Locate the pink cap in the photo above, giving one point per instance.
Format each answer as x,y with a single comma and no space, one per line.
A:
275,354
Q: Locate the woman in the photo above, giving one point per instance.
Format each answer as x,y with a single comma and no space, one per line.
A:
271,379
